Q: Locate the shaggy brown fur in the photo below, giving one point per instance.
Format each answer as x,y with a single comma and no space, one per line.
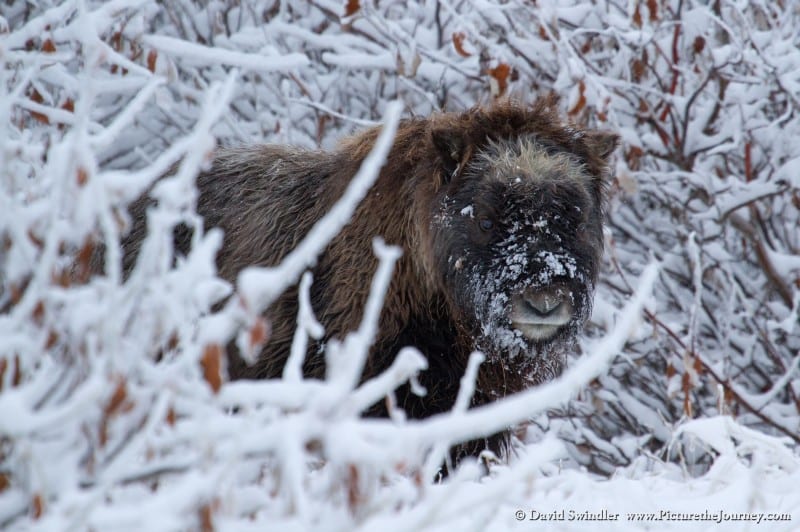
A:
445,176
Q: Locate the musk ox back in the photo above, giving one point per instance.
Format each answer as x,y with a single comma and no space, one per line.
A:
499,214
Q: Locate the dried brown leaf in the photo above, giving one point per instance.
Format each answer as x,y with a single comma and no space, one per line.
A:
699,44
37,98
172,341
698,366
686,387
37,315
581,103
211,362
38,242
458,43
637,70
637,16
633,157
259,333
117,398
652,7
52,339
16,293
61,277
16,376
322,122
37,506
500,74
152,56
82,176
115,404
205,515
116,41
351,7
68,106
353,494
84,260
543,33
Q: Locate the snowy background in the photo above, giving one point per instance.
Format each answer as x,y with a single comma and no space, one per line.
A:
681,405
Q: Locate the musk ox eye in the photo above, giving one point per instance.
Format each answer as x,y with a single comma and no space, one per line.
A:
486,224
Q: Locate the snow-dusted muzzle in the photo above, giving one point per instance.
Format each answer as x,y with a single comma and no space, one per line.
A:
539,313
528,302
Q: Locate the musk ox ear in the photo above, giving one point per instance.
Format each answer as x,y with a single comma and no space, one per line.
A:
451,148
601,143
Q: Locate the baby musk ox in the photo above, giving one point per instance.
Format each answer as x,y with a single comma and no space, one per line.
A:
498,211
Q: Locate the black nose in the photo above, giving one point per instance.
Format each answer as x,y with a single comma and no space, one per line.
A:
543,303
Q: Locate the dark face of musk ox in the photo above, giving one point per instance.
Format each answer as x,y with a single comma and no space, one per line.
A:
518,239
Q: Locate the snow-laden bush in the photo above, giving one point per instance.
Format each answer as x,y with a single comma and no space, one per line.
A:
114,410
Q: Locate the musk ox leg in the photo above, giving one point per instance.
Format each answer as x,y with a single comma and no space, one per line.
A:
442,380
